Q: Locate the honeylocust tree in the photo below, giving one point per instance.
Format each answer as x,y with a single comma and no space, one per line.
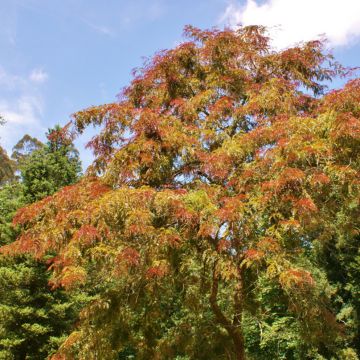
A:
223,166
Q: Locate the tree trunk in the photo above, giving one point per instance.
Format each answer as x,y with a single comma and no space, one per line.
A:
233,328
238,340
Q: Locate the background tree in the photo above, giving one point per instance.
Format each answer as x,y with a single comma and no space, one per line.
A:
34,320
226,172
6,167
52,166
24,147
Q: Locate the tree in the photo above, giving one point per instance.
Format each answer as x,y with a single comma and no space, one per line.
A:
50,167
11,199
6,167
24,147
223,167
34,320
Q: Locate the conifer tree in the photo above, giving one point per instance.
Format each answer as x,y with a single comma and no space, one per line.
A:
34,320
50,167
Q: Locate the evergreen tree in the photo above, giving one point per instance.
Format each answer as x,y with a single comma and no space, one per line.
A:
50,167
34,320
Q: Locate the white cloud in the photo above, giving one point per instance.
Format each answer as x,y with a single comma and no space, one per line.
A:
292,21
21,106
21,116
23,111
101,29
38,76
10,82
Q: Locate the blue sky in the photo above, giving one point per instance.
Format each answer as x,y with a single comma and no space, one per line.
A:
60,56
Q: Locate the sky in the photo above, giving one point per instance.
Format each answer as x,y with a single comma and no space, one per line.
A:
61,56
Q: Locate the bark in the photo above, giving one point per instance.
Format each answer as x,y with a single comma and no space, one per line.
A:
233,328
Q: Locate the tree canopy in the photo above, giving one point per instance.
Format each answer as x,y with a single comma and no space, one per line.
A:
24,147
227,172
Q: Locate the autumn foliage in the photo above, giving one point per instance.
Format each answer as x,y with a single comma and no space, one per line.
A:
222,164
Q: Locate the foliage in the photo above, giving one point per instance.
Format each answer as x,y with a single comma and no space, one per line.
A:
50,167
6,167
11,199
24,147
34,320
226,175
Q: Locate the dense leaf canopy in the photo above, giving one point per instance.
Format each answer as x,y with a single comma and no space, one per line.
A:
225,172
